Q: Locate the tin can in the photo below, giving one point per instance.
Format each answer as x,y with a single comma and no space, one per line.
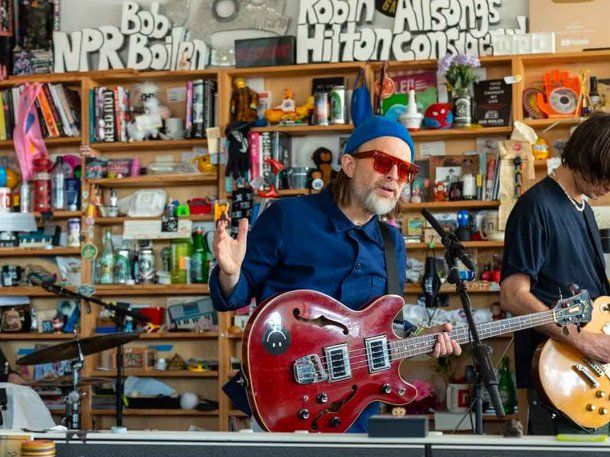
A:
337,105
74,232
25,199
122,266
146,266
321,108
165,256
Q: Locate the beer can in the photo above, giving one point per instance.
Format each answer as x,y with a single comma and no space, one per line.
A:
25,198
74,232
122,266
337,105
321,108
146,266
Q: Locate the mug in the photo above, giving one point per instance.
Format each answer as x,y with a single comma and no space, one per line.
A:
5,200
490,227
174,128
458,398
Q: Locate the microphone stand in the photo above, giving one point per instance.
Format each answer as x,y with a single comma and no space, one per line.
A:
484,373
119,312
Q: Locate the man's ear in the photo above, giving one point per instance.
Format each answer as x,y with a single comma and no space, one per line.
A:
348,165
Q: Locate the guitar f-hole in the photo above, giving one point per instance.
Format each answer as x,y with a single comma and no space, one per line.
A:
320,321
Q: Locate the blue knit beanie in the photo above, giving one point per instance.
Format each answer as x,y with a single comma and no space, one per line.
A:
376,127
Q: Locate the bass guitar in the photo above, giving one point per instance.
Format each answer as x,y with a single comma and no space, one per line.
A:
574,384
313,364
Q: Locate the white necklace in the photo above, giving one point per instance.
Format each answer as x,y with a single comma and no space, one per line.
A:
579,206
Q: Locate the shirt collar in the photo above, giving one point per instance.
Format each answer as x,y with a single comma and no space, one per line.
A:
340,222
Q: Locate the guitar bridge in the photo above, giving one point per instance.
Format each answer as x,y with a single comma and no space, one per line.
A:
309,369
586,374
595,366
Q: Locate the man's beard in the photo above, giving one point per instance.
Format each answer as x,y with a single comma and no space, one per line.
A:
375,204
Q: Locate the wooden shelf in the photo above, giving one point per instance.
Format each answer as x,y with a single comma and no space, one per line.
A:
472,132
157,374
237,413
151,289
467,244
61,214
121,220
304,70
28,291
454,205
544,123
293,192
22,252
176,180
175,336
60,141
306,129
143,146
35,336
154,412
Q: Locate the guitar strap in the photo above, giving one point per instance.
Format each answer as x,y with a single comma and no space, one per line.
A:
393,283
600,262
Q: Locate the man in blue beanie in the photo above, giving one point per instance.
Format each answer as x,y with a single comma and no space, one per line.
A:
332,242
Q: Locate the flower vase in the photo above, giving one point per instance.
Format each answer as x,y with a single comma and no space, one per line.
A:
462,108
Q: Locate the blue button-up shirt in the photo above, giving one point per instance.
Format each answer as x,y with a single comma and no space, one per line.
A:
308,243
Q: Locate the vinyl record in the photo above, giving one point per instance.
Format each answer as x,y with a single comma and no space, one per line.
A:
563,100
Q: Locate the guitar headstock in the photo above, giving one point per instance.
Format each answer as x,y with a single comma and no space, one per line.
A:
573,310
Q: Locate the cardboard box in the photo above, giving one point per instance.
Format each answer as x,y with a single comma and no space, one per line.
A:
578,24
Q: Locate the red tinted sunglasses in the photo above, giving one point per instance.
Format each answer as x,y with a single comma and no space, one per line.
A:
383,163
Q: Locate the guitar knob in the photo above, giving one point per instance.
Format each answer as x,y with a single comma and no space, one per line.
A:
603,411
322,398
386,389
591,407
600,394
335,421
304,414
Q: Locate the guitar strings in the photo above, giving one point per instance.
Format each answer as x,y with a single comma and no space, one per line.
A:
407,348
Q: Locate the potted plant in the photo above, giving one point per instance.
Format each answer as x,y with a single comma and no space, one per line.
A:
459,73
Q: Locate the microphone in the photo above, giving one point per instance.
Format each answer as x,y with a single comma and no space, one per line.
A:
449,240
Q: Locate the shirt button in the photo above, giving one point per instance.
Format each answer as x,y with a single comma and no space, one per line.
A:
358,266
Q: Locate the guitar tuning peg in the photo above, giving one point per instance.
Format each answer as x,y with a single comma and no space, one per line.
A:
574,289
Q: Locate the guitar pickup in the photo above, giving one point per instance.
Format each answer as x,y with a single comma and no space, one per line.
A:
377,353
584,371
309,369
337,362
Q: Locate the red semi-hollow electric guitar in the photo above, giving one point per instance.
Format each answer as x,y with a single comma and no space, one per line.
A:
313,364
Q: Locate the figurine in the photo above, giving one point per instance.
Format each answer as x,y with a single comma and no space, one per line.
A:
244,102
323,157
412,119
146,125
438,116
541,149
416,192
440,192
288,112
497,313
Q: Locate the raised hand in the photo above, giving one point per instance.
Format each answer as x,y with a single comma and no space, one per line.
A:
230,252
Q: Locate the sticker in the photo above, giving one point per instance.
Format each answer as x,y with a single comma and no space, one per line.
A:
89,251
276,339
176,94
86,289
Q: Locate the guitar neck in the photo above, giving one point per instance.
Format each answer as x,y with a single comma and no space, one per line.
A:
410,347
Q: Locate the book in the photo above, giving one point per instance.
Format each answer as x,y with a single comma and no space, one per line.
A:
492,103
426,93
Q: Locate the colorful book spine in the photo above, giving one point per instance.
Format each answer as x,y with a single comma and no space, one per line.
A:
63,116
188,114
197,109
92,136
47,114
109,122
3,136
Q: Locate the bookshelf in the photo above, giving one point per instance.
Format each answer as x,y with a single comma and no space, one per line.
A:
223,345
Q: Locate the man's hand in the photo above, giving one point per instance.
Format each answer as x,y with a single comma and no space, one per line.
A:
444,345
596,346
230,254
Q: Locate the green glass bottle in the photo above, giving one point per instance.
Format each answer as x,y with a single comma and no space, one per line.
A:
506,386
180,261
199,259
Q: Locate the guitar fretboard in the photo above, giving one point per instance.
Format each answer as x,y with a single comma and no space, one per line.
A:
424,344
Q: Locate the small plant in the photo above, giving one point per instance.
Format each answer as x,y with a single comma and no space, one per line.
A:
458,70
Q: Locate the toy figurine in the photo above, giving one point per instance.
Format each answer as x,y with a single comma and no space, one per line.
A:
146,125
244,102
540,149
440,192
497,313
323,157
463,230
288,112
412,119
438,116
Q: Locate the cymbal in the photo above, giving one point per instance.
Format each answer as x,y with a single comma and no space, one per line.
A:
66,381
69,350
